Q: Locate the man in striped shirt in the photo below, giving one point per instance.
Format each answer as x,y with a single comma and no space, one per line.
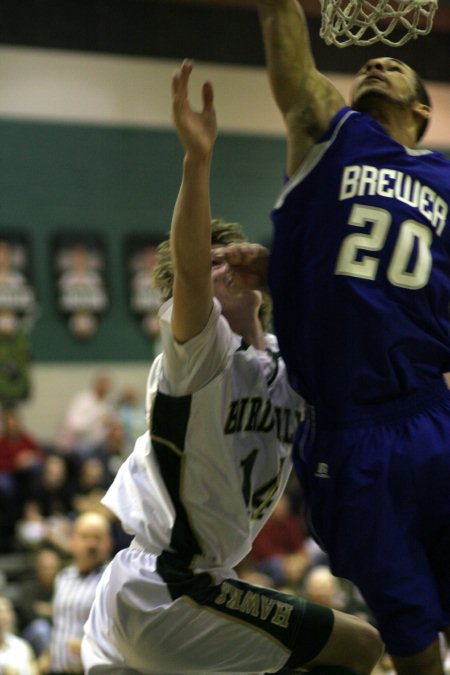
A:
75,589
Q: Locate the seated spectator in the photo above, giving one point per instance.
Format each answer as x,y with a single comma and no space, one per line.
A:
279,549
20,460
86,418
247,572
91,486
113,451
131,412
322,587
34,530
74,592
7,516
53,487
31,527
19,450
34,600
16,655
47,511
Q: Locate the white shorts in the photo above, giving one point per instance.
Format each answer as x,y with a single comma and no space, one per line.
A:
231,627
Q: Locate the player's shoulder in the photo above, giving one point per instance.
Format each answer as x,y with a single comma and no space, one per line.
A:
433,156
271,342
337,120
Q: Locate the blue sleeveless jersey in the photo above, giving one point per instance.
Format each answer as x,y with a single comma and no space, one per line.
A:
360,269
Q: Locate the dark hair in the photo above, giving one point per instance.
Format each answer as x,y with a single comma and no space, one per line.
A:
423,97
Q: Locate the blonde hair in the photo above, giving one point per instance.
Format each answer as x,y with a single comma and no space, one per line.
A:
222,234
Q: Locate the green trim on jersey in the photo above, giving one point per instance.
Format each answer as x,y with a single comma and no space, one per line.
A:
168,432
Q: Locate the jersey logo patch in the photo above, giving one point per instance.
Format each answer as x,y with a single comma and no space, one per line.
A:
322,470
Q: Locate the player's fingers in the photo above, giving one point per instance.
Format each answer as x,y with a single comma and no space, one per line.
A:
208,97
180,79
241,254
231,253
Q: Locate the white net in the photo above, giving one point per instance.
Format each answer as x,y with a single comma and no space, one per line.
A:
364,22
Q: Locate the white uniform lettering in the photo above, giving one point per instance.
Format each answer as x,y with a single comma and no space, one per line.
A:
367,180
349,183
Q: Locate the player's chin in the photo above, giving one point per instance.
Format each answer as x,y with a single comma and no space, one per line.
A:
370,95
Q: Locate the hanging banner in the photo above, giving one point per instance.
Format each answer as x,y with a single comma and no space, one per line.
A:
144,298
17,294
81,289
17,315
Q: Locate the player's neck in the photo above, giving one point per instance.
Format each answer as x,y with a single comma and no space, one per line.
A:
399,123
400,134
396,117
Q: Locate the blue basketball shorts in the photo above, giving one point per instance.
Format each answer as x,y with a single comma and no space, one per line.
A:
377,493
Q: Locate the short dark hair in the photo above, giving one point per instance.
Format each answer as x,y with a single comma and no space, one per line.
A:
423,97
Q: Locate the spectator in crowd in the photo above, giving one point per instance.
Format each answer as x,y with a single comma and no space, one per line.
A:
20,453
31,527
74,592
46,514
33,603
322,587
131,412
113,450
279,549
53,488
16,655
85,424
91,486
20,460
247,571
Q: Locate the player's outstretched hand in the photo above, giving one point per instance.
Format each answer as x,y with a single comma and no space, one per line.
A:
197,131
247,263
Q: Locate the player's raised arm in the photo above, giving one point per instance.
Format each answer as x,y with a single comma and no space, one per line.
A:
190,235
306,98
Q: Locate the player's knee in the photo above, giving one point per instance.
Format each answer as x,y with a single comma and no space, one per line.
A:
368,648
354,644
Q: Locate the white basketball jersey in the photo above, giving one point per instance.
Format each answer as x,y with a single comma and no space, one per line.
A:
205,478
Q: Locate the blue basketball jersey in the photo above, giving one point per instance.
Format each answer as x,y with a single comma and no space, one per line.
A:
360,269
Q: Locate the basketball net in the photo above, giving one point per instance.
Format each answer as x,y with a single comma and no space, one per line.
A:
364,22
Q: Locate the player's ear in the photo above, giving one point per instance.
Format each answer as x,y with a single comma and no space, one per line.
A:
421,110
